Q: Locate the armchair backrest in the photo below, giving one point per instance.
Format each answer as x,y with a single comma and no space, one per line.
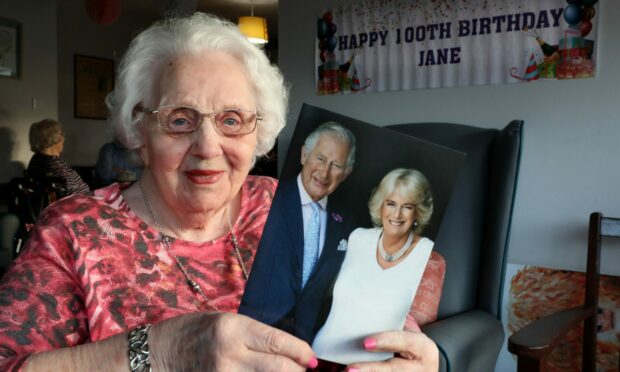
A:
475,231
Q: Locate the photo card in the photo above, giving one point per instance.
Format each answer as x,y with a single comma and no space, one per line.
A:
323,272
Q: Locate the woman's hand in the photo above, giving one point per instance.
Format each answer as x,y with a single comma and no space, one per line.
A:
225,342
414,351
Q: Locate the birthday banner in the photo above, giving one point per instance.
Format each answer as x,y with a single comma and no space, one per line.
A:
388,45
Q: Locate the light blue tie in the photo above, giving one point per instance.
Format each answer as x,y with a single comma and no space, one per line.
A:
311,243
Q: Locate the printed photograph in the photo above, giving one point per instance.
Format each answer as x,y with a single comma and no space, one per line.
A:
349,237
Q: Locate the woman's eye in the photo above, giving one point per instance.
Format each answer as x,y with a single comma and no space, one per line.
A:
230,119
230,122
180,122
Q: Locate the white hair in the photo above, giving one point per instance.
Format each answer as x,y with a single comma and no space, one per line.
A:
335,129
166,40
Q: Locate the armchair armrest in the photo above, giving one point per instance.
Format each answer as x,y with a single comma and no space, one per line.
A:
538,338
469,341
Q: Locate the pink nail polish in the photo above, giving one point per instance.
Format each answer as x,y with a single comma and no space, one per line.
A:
370,343
313,363
352,369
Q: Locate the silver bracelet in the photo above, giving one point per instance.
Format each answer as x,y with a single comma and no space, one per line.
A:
139,349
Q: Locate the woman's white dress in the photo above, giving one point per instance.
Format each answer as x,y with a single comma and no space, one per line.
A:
369,299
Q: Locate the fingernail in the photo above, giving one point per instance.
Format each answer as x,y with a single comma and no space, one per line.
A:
313,363
370,343
352,369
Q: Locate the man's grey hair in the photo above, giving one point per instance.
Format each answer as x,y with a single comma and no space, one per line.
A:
333,128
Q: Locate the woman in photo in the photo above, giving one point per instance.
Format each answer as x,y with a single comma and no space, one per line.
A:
381,272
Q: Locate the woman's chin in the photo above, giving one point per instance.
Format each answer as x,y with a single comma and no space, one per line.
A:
395,233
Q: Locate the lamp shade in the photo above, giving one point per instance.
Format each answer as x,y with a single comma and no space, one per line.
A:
255,28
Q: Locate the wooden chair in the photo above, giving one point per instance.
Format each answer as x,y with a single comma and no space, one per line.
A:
533,343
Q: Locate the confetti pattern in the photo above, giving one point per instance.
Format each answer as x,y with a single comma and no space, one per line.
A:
387,45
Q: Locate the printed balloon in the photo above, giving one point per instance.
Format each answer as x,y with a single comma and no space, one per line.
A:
572,14
322,44
321,28
585,27
587,13
331,43
328,17
331,29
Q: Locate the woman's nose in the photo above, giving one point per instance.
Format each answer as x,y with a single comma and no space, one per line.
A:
206,141
398,212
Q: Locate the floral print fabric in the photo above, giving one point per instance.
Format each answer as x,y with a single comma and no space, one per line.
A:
92,269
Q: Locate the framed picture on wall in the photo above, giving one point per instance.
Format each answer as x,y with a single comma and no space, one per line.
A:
10,48
94,79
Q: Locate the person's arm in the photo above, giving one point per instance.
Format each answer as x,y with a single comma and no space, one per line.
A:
426,302
41,302
201,341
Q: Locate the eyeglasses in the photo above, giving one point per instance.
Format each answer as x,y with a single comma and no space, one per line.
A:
184,119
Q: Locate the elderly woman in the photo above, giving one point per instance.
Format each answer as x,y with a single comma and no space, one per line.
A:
151,275
381,271
47,142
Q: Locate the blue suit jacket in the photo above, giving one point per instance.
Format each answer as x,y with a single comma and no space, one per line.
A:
273,294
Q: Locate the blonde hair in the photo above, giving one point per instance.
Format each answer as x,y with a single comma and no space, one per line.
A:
44,134
412,185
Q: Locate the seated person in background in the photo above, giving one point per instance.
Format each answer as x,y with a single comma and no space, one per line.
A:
381,272
47,142
114,164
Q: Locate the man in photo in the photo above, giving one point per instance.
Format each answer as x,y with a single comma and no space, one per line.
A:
305,239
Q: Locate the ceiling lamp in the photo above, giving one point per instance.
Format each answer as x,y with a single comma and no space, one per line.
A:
254,28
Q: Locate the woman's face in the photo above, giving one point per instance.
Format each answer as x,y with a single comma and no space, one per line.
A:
397,214
202,170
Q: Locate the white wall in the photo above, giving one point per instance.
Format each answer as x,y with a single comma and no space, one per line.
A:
78,34
52,33
571,144
38,81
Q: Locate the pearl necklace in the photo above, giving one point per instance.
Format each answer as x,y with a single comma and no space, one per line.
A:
396,255
195,287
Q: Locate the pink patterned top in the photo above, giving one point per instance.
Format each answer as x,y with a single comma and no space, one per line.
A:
92,269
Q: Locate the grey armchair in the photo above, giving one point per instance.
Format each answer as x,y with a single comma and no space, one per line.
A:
474,240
